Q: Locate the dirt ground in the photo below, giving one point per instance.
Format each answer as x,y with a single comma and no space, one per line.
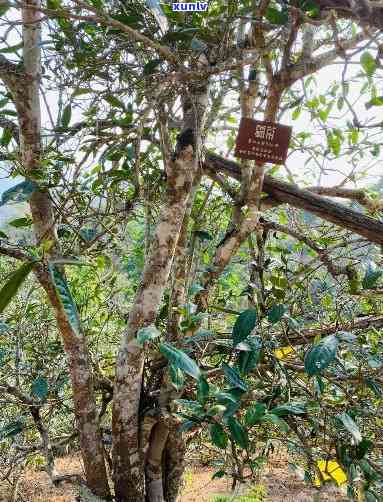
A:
280,483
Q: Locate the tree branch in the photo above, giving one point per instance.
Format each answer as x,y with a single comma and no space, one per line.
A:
285,193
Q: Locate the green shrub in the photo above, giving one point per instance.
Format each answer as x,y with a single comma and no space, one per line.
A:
222,498
256,494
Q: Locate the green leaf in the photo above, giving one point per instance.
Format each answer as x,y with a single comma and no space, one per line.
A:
113,101
197,45
3,9
231,409
219,474
4,327
21,222
350,426
369,496
66,116
216,410
374,386
9,112
97,3
362,448
180,360
203,235
218,436
53,4
368,63
248,360
19,193
12,48
39,388
13,284
88,234
194,406
289,409
310,6
340,103
276,313
252,74
254,414
81,91
296,113
244,325
202,390
177,377
3,353
11,429
321,355
225,397
233,377
377,101
238,432
275,420
65,298
369,472
354,136
147,334
186,426
334,143
6,137
371,276
276,16
3,235
202,335
151,66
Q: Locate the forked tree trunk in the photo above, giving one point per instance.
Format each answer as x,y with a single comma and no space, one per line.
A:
27,101
165,456
127,455
128,461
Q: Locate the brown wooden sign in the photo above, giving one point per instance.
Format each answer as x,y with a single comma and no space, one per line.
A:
263,141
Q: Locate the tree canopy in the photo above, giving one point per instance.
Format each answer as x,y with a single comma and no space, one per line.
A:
156,291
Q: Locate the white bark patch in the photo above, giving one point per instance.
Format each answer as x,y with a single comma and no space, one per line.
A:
155,491
134,347
134,458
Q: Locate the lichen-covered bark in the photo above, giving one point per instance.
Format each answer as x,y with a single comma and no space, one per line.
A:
128,462
174,464
127,458
24,87
153,462
179,279
83,394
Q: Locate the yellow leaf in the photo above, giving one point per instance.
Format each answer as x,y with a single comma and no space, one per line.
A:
47,245
283,352
330,469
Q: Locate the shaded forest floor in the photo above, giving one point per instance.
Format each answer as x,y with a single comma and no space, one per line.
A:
281,485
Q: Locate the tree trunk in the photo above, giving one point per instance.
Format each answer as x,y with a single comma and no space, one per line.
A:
27,101
174,465
153,463
159,442
128,462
